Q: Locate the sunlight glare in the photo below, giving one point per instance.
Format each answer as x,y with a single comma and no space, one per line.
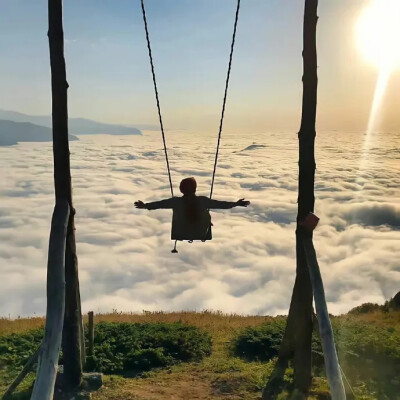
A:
378,33
380,89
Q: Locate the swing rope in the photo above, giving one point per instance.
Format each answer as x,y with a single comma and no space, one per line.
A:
157,99
223,103
225,96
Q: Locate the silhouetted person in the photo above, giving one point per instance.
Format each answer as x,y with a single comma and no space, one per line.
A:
191,219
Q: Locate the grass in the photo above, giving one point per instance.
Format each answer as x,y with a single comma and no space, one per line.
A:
20,325
219,376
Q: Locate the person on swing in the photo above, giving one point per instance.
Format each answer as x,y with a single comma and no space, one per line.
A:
191,219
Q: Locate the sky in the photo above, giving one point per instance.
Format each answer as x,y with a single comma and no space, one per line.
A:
109,74
124,254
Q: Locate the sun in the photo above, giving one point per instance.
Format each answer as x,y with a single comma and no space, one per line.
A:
378,33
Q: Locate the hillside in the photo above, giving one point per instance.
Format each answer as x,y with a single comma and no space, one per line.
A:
77,126
13,132
391,305
223,375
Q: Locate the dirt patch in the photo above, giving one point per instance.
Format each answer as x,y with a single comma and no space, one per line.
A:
226,386
173,388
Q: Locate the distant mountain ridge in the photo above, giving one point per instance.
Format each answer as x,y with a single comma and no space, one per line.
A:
76,126
13,132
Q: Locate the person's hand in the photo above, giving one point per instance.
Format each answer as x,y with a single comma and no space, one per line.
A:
139,204
242,203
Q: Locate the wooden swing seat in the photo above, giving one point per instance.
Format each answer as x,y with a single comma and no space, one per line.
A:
183,229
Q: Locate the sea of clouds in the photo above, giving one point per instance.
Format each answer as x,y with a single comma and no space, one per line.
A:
125,262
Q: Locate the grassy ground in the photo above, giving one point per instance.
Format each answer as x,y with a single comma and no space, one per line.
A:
216,377
219,376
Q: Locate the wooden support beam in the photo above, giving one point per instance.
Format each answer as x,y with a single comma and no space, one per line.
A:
72,335
48,364
301,313
25,371
81,337
332,367
91,334
298,335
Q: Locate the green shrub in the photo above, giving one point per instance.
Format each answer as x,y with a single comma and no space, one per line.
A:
145,359
370,353
367,352
366,308
260,343
15,349
121,347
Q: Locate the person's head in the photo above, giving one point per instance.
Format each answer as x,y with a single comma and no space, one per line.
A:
188,186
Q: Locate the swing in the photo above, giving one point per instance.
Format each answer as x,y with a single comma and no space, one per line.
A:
186,228
182,227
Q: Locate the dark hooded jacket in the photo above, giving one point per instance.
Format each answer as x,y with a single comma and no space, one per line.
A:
191,219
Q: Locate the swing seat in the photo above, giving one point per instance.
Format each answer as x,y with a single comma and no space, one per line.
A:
184,229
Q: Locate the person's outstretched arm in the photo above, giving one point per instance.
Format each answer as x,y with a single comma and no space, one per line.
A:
155,205
218,204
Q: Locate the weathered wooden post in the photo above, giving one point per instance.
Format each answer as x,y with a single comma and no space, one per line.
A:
25,371
48,364
72,333
332,367
298,335
91,334
301,308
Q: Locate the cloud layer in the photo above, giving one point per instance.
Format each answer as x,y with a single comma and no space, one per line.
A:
124,254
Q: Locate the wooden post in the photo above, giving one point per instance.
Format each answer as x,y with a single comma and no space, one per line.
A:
298,334
302,295
332,367
48,364
91,334
81,338
72,333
